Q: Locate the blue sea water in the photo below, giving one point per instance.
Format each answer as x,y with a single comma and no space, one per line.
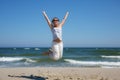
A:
72,57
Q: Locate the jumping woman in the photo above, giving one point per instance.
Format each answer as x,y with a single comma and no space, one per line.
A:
55,25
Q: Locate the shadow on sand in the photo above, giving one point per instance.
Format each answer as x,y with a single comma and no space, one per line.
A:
30,77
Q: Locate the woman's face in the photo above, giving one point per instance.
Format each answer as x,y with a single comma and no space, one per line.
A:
55,22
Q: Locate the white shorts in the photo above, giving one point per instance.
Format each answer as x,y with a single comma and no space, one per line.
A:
56,50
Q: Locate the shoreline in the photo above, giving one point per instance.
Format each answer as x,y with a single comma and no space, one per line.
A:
59,73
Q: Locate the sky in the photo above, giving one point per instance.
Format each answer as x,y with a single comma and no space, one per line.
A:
91,23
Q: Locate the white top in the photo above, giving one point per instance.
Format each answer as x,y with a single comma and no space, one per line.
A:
57,33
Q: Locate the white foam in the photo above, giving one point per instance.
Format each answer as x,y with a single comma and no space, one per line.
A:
37,49
93,63
111,57
29,60
10,59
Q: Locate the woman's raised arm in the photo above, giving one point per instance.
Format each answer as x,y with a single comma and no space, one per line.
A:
64,19
47,19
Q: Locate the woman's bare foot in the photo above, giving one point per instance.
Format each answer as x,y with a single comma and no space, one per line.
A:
46,53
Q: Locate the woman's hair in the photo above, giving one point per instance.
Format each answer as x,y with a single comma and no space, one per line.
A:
55,18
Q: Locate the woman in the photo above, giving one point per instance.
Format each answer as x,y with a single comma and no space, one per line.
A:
56,50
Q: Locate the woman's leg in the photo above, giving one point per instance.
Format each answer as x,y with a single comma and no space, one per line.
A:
46,53
61,49
57,51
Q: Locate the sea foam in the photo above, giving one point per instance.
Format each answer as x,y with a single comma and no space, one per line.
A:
13,59
93,63
110,56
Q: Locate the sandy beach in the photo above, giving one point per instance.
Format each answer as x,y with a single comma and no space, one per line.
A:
59,73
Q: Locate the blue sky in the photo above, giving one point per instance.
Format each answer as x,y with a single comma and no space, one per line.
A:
91,23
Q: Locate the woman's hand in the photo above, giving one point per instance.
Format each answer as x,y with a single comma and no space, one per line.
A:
43,12
67,13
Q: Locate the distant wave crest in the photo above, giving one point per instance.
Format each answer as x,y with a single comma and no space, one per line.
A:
111,57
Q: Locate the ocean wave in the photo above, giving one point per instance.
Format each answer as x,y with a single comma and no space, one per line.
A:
9,59
93,63
26,48
37,49
13,59
29,60
111,57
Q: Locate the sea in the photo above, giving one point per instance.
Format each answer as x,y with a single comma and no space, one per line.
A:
72,57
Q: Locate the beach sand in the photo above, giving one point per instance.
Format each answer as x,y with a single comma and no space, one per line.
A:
59,73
